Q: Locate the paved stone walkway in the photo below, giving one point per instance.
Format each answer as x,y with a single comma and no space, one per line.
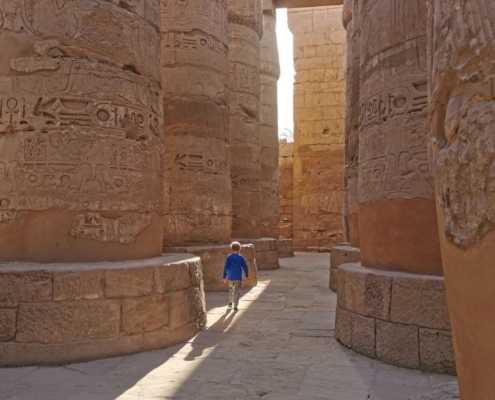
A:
280,346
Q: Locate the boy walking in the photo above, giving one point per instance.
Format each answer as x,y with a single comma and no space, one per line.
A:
232,271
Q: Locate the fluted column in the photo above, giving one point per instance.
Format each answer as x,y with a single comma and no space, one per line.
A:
81,140
195,64
245,31
269,75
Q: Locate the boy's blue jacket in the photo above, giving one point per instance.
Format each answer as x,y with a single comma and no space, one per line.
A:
234,265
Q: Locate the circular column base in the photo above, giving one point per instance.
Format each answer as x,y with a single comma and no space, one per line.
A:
213,261
66,313
341,254
398,318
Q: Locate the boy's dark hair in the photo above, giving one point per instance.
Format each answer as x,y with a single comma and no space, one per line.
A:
235,246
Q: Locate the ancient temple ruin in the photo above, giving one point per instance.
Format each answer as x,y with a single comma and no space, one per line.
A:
138,139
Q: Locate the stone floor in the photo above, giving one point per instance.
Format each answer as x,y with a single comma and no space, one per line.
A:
279,346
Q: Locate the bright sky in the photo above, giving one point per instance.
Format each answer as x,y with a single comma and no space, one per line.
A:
286,81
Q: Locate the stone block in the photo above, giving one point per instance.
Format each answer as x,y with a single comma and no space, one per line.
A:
144,314
128,282
421,301
185,307
172,277
78,285
7,324
344,254
67,321
25,287
334,274
397,344
436,351
363,335
196,272
343,326
377,295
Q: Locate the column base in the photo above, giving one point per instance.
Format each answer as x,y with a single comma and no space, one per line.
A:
285,248
342,254
398,318
266,252
213,259
65,313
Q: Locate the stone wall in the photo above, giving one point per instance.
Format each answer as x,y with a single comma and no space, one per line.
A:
285,248
319,107
63,313
286,187
398,318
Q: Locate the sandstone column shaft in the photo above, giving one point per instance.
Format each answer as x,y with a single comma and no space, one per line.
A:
397,216
462,115
319,109
196,80
269,75
81,137
352,113
245,30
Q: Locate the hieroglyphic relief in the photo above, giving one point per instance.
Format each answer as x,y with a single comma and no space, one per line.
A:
132,36
323,201
93,226
88,137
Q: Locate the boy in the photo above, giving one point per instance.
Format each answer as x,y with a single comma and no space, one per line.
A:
234,265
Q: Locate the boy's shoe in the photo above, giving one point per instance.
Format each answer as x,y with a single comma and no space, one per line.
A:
229,306
236,309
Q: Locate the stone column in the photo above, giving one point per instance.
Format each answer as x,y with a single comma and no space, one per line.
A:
245,31
269,75
81,163
319,108
396,295
352,113
397,216
462,118
198,196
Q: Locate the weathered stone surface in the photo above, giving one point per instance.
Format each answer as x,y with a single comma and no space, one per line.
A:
7,324
67,321
185,307
173,277
265,252
421,301
284,248
78,285
397,344
83,126
436,351
195,70
128,282
344,254
446,391
319,107
356,332
24,287
144,314
364,291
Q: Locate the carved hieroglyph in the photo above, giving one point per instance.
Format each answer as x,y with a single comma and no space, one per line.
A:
397,214
196,109
80,111
393,159
245,31
319,109
269,74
